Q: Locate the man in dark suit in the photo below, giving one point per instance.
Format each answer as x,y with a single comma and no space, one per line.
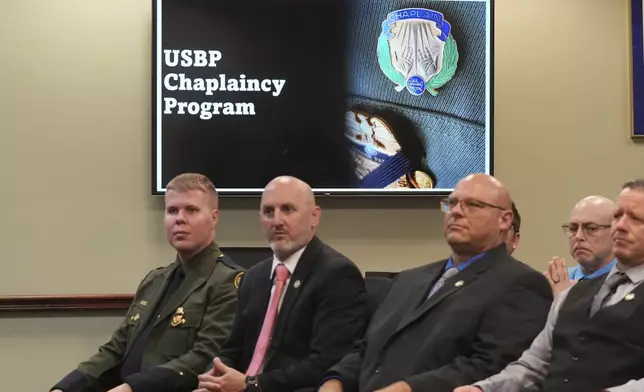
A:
299,312
459,319
181,313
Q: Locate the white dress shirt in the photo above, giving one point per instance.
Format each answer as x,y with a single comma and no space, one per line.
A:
290,263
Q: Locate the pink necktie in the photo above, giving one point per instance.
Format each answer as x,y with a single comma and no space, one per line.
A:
281,275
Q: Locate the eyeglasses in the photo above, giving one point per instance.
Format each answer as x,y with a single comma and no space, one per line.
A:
588,228
469,205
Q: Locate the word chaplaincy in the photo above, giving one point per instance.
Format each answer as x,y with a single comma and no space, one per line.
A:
200,58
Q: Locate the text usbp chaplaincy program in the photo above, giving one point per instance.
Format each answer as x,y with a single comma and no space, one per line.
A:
210,87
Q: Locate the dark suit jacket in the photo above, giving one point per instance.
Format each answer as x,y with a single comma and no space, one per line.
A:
180,346
319,321
482,318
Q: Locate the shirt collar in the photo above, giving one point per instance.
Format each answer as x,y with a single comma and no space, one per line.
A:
636,274
463,264
202,261
290,262
578,273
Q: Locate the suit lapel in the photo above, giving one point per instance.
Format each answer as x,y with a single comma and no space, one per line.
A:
305,266
418,291
595,290
452,286
260,295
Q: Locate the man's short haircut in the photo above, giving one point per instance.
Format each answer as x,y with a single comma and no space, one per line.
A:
193,182
516,220
635,184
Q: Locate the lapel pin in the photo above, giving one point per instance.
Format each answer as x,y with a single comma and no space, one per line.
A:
177,318
143,302
459,283
629,296
135,317
297,284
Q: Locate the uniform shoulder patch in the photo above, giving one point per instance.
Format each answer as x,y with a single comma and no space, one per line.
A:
238,279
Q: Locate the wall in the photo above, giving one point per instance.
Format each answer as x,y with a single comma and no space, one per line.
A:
74,115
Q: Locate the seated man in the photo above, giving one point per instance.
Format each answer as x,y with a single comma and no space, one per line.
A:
458,319
590,243
181,313
299,311
514,234
593,339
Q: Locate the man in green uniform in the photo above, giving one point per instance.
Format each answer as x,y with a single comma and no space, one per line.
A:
181,313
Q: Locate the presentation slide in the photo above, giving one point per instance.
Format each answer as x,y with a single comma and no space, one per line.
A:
355,97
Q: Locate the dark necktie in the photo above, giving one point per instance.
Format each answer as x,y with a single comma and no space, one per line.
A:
607,290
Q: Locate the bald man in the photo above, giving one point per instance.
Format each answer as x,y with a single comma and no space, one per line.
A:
299,311
590,243
462,318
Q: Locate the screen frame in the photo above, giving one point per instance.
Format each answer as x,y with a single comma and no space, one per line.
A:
158,189
637,53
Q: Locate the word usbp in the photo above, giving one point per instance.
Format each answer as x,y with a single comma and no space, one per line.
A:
191,58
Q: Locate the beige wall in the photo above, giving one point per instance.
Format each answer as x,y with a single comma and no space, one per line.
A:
74,158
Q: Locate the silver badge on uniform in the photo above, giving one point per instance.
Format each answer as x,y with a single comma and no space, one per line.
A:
416,50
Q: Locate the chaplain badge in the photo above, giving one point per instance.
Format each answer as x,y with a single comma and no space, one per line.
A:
416,50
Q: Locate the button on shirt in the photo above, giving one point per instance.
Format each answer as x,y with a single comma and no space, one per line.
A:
531,369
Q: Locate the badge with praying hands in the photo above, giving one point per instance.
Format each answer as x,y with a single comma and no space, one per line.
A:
557,275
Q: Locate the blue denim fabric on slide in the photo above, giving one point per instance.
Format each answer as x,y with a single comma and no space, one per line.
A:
449,128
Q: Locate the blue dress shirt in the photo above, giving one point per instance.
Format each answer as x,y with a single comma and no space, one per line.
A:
462,265
576,273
